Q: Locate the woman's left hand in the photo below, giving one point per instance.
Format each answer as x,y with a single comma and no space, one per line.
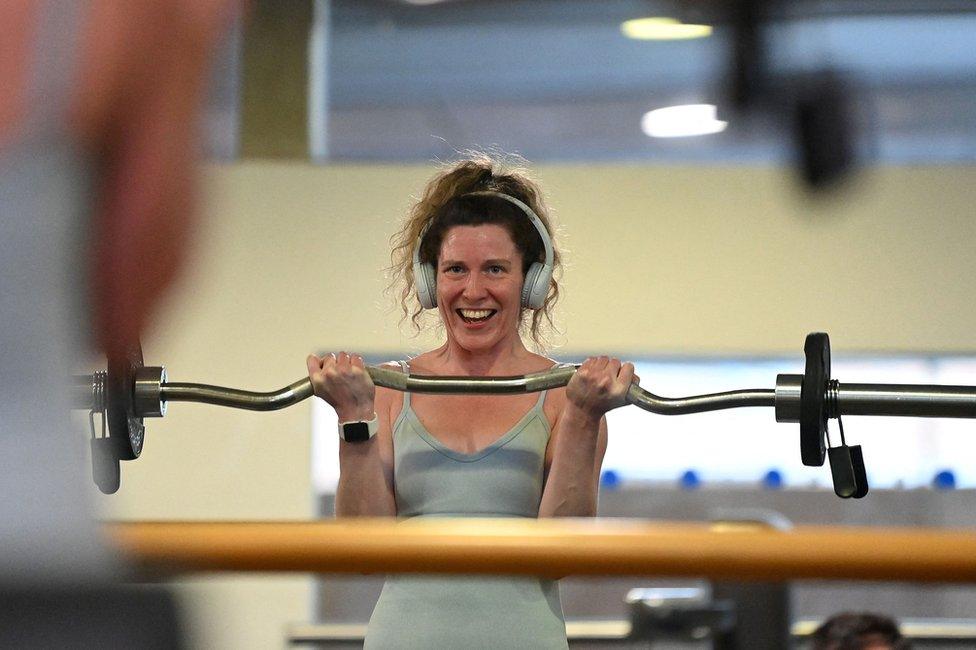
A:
600,385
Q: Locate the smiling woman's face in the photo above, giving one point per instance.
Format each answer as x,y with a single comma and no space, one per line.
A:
479,286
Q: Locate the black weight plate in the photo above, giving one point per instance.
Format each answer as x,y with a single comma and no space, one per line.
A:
124,428
813,397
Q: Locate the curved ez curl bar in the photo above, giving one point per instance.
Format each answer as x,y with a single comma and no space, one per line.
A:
129,392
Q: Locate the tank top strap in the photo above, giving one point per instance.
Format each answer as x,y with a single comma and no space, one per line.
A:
405,366
542,394
542,399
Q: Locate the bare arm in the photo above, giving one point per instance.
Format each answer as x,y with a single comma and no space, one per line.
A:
365,468
577,446
579,439
143,129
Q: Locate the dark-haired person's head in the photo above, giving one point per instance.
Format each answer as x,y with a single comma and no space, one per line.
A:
859,631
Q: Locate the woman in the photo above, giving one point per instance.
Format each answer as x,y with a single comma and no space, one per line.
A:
477,247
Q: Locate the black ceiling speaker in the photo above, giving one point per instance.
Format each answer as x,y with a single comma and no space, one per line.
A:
823,129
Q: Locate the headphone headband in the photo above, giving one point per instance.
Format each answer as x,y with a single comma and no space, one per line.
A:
536,285
533,217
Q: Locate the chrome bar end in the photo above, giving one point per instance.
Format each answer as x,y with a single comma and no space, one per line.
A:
787,401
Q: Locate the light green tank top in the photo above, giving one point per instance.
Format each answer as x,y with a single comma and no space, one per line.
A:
502,480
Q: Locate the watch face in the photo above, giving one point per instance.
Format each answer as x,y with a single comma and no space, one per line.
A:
355,432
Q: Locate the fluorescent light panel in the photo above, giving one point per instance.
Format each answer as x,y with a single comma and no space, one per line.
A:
663,29
682,121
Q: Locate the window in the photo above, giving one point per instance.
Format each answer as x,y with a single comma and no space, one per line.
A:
560,81
742,445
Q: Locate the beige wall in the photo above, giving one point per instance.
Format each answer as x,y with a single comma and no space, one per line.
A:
672,260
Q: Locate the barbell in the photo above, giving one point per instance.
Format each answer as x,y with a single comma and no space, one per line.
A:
129,391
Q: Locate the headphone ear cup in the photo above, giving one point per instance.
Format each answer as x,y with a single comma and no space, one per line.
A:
425,277
536,286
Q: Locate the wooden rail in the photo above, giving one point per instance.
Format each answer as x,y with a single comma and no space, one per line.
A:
555,548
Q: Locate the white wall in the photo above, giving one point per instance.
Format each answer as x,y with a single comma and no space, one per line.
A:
713,260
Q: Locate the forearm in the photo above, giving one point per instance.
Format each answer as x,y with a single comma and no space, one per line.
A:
573,480
364,489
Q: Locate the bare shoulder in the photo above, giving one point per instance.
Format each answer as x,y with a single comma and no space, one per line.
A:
389,401
538,363
389,365
423,364
555,397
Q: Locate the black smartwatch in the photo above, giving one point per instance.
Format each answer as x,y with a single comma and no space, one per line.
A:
360,430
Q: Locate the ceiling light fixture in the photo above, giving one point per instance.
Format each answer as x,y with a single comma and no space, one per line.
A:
682,121
663,29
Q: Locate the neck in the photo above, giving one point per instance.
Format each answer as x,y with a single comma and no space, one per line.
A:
497,360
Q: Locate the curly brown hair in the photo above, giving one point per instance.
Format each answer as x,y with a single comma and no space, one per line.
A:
858,630
477,172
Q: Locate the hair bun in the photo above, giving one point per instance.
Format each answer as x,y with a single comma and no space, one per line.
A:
486,177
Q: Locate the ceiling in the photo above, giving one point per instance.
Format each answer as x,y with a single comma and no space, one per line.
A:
555,80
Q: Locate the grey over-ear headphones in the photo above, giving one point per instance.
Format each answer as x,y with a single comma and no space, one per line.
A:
537,278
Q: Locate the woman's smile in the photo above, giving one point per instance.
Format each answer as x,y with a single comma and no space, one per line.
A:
475,317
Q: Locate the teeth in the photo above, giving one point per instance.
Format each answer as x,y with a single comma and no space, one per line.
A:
475,313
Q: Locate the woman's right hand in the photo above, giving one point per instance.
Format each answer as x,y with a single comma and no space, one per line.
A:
600,385
342,381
